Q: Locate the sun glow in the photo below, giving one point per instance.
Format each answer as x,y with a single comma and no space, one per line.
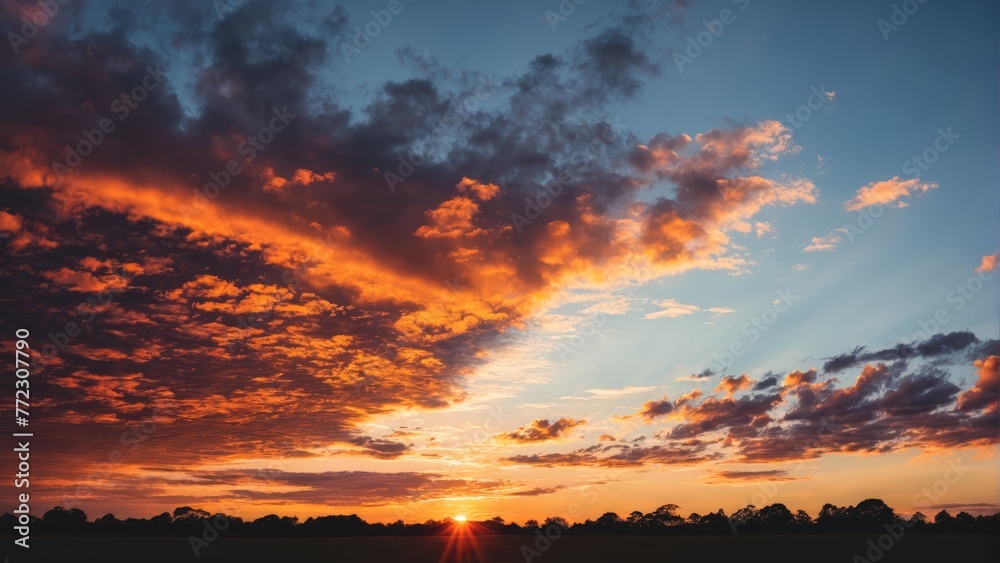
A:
462,546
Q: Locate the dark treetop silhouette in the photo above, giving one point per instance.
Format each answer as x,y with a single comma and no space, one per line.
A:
871,515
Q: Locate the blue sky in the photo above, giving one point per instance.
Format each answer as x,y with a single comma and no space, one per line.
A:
892,96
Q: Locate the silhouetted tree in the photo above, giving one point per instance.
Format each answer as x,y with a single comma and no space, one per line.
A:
943,518
872,514
60,521
665,515
867,516
964,521
558,521
775,517
745,517
188,512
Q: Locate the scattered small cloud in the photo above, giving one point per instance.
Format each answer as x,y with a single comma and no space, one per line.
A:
828,242
988,263
541,430
886,192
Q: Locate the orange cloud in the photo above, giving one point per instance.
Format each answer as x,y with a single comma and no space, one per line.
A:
484,192
10,223
988,264
541,430
799,377
451,219
302,177
731,384
85,282
887,191
986,393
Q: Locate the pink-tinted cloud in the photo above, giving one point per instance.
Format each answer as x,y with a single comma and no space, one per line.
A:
986,393
887,191
988,263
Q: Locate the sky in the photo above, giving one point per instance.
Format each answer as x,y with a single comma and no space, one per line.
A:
411,259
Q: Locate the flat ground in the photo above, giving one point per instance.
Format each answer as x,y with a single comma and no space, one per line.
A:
511,549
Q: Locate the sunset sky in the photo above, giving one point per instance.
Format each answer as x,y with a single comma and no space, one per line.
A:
499,259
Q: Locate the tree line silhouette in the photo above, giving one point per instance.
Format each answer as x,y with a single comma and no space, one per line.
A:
871,515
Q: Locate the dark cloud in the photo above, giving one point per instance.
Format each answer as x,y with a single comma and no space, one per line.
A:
613,64
719,477
380,447
715,414
537,491
652,410
919,393
621,455
936,345
765,383
884,409
332,488
705,373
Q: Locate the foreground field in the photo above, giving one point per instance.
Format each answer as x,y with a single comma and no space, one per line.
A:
511,549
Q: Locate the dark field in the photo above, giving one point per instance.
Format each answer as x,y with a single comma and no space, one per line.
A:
504,549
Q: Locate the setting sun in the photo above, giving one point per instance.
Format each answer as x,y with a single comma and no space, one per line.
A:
460,518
